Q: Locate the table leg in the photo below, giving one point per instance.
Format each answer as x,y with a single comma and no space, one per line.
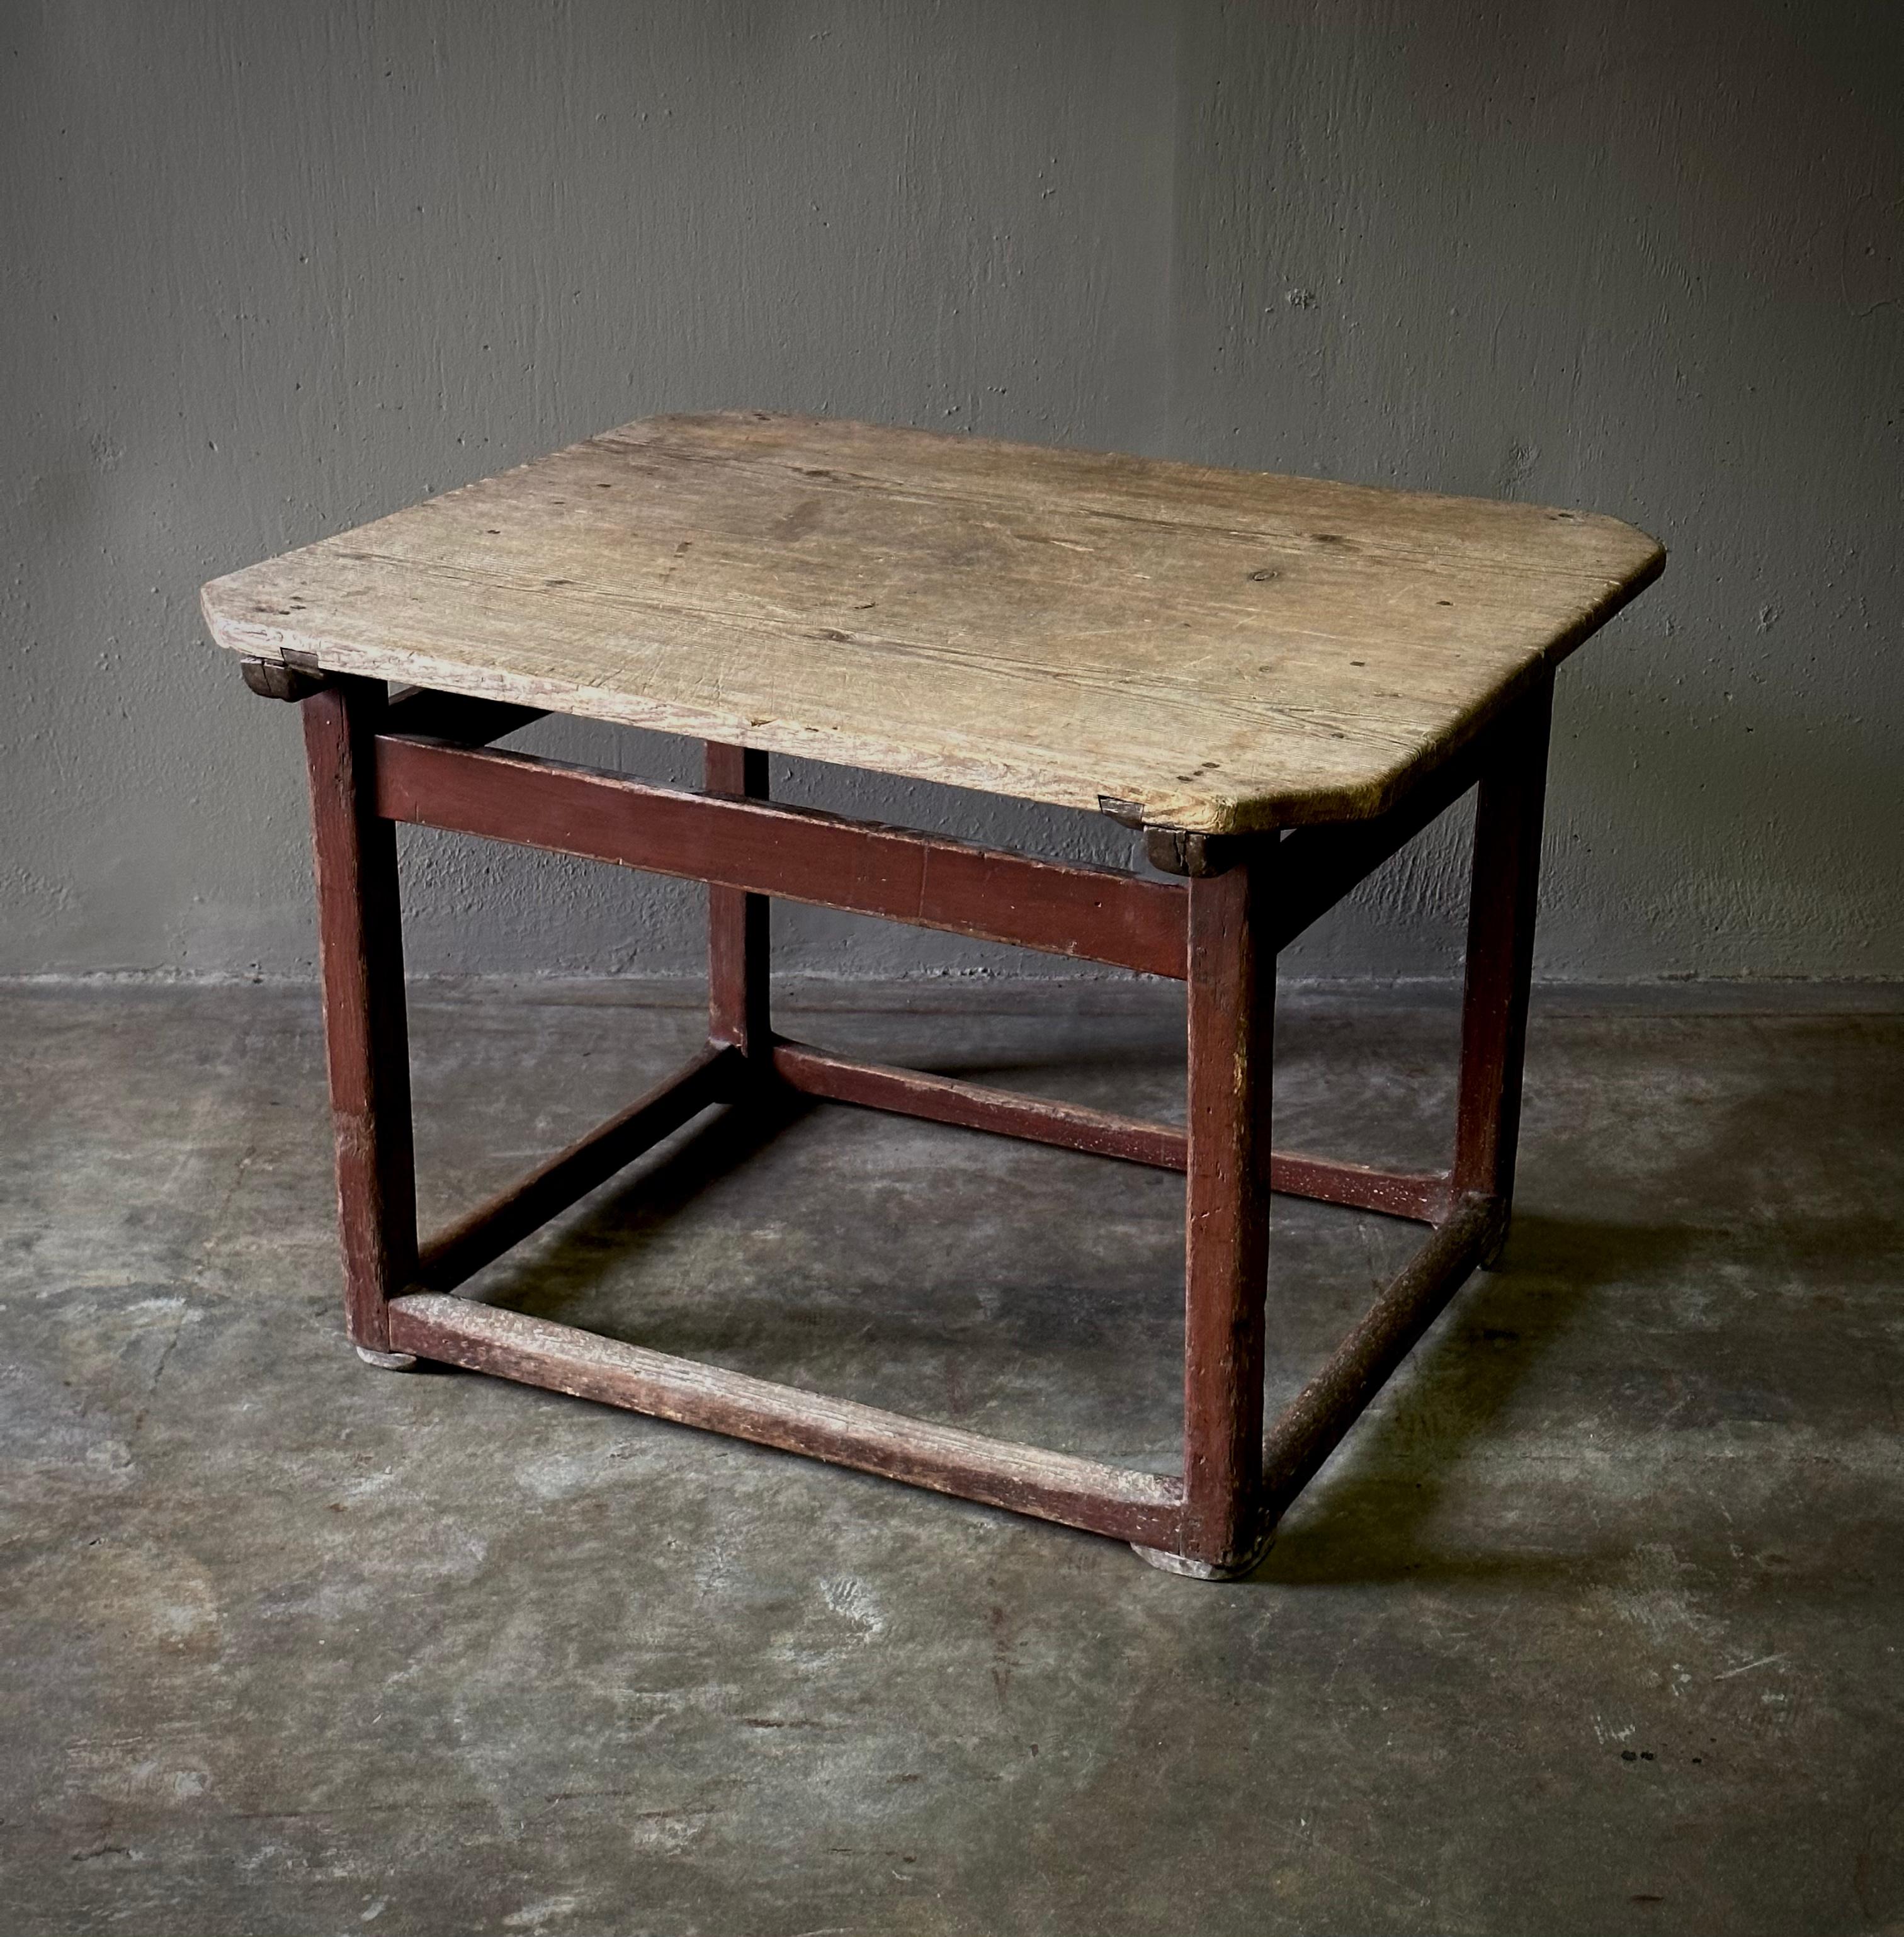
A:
1231,1004
1501,909
738,1008
360,948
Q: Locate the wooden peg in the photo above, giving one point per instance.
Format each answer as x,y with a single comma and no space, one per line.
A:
280,679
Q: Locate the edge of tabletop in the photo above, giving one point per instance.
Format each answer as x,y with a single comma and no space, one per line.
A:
1379,797
1260,813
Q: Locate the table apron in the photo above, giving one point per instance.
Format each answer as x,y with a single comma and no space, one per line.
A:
800,854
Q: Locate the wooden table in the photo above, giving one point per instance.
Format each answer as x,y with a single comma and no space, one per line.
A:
1279,681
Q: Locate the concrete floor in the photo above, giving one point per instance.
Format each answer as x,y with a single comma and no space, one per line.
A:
1593,1626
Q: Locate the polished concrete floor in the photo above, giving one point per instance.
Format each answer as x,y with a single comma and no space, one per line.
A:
1593,1626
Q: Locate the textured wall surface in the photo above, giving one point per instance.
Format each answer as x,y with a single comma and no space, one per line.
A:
269,272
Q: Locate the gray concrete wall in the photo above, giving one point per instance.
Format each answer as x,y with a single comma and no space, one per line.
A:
270,271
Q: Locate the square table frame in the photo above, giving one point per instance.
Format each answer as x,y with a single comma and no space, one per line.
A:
376,759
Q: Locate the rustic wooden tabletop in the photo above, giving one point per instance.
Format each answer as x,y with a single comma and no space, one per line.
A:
1220,651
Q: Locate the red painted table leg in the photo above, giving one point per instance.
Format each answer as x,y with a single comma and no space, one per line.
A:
360,946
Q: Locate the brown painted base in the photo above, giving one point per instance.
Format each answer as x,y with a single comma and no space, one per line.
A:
374,762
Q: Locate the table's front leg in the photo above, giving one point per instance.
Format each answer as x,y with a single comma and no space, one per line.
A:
1232,1005
360,949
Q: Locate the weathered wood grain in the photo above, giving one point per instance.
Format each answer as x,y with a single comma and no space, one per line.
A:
1420,1194
1114,1500
1217,650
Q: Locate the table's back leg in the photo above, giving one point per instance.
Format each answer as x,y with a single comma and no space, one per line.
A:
738,1012
1231,1004
360,946
1505,889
